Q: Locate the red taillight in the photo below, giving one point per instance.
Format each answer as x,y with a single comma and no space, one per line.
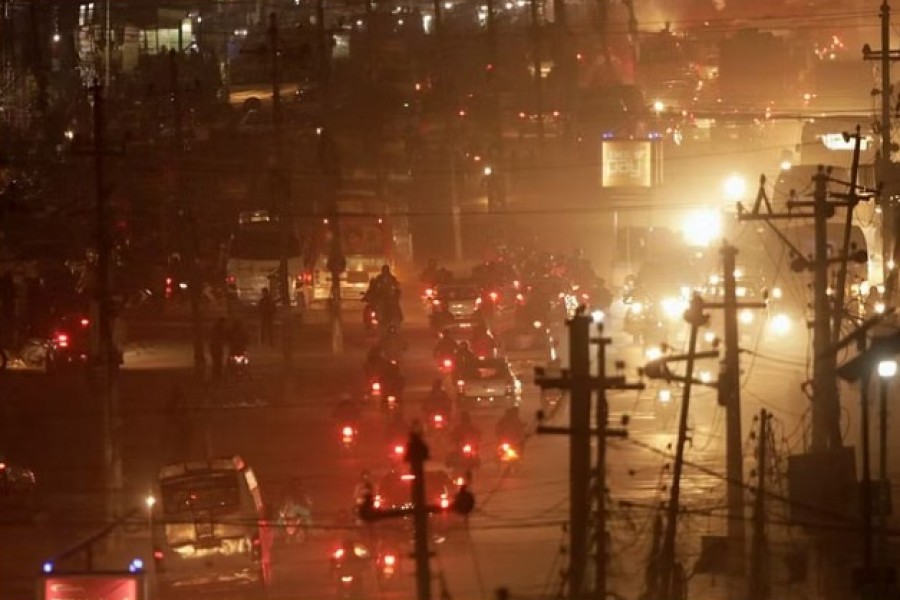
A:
168,281
62,340
436,302
399,450
376,387
85,321
338,554
377,501
438,418
390,560
494,296
158,555
467,449
448,363
347,431
429,293
231,280
478,301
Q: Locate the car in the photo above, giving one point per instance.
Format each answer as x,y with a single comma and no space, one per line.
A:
394,489
492,380
460,300
16,482
532,344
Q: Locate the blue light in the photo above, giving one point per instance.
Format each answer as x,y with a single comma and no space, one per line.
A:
47,567
136,565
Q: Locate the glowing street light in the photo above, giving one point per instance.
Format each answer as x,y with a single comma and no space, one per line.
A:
701,227
735,188
887,368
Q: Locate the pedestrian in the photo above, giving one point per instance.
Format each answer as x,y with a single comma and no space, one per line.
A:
217,340
266,309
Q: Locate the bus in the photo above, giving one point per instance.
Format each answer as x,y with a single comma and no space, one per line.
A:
371,236
209,530
254,256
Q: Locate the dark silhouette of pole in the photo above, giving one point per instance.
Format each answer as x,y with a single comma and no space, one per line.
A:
696,319
759,584
280,193
865,428
730,381
107,358
417,454
600,419
195,284
579,451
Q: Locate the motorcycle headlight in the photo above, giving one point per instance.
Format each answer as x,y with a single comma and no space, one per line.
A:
673,308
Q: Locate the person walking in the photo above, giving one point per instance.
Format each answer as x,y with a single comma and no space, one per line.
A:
217,339
266,309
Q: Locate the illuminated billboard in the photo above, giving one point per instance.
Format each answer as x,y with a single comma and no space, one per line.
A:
629,164
91,586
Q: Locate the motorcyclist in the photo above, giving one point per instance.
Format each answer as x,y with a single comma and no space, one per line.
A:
602,295
365,487
510,427
384,287
438,400
430,273
375,361
397,429
354,557
347,410
295,509
483,343
445,346
466,431
465,358
392,343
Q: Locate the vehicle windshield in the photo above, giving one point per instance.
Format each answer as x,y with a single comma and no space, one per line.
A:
261,243
459,293
212,492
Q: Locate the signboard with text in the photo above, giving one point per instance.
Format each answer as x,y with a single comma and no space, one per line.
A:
91,586
630,163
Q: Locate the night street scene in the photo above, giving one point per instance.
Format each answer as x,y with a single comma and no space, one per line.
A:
449,299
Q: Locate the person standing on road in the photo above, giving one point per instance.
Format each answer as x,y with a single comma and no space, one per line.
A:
266,309
217,347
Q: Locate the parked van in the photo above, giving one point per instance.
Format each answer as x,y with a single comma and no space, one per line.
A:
209,530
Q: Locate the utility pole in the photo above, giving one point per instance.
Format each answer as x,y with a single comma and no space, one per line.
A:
280,189
107,355
826,435
601,416
759,571
536,67
852,199
464,502
107,44
581,384
889,213
196,282
696,319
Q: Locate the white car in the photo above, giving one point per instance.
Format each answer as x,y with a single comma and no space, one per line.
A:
492,381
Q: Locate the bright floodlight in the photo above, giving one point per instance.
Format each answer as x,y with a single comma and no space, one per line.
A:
598,316
488,171
887,368
658,106
664,395
150,502
701,227
786,165
746,316
652,353
780,324
735,188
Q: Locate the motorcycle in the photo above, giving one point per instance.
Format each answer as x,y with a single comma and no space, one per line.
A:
370,317
349,437
348,570
464,459
387,564
437,422
238,366
295,521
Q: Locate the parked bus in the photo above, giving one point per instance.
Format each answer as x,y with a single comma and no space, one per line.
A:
371,236
254,256
209,532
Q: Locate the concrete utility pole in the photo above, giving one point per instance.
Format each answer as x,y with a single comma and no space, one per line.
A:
826,434
889,212
581,385
852,199
759,570
281,193
730,398
464,502
668,591
106,359
195,286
